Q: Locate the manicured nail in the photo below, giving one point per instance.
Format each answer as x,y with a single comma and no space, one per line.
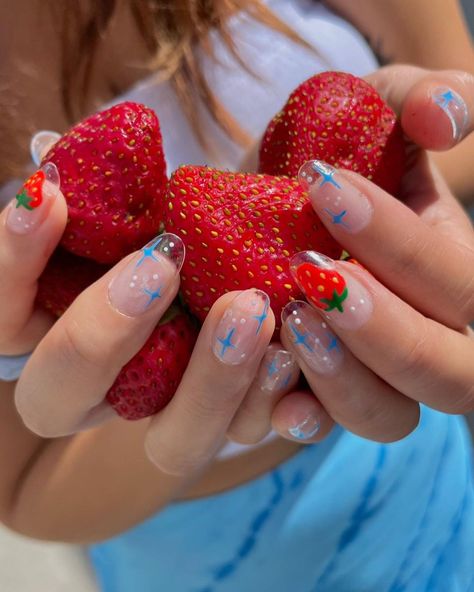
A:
336,201
342,297
305,429
146,278
31,204
314,342
41,143
237,334
277,371
454,107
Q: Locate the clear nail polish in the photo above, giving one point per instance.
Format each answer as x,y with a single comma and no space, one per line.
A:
312,339
41,143
337,202
238,332
278,370
141,284
331,288
454,107
32,203
306,429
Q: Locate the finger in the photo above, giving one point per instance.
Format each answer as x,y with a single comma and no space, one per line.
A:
300,417
418,357
351,393
78,360
406,254
191,429
436,108
30,227
278,374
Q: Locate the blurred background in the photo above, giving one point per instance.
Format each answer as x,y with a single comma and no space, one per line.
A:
469,8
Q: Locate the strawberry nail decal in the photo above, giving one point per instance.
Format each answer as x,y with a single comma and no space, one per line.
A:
30,196
325,288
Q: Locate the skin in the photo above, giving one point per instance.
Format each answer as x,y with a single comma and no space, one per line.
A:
45,478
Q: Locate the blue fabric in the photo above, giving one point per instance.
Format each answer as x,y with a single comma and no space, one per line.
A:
346,515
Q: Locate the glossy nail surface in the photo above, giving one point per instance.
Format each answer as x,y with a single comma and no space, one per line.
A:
312,339
144,280
454,107
237,333
342,297
41,143
31,204
277,371
336,201
305,429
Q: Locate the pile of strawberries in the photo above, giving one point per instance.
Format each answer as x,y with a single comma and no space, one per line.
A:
239,229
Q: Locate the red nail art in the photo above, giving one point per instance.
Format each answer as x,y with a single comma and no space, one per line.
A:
325,288
31,194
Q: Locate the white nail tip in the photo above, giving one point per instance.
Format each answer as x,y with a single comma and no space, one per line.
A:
41,143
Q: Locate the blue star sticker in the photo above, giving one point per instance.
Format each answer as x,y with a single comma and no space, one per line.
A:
327,173
300,339
227,342
333,343
272,368
153,295
337,218
148,253
445,99
287,380
261,318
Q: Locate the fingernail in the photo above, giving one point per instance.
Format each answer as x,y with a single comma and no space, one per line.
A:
31,204
277,371
336,201
342,297
314,342
41,143
237,333
454,107
146,278
305,429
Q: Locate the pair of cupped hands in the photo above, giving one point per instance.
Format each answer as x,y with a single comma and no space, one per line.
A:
399,338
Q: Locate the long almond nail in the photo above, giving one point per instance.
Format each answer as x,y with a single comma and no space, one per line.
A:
32,203
455,109
278,370
338,203
238,333
312,339
147,277
342,297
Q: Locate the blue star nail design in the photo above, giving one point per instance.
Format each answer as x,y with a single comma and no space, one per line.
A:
327,174
333,343
445,99
261,318
287,380
272,368
153,295
227,342
337,218
300,339
148,253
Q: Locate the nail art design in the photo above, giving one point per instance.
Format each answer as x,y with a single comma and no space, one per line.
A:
28,210
317,345
337,202
237,333
146,277
343,299
306,429
455,108
277,370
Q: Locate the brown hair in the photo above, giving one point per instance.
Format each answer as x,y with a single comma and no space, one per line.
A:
171,29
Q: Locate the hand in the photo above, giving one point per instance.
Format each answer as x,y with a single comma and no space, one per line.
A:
378,341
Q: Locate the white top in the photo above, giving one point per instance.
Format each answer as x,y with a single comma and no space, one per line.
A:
279,65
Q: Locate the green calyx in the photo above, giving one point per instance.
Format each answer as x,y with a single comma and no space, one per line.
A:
336,301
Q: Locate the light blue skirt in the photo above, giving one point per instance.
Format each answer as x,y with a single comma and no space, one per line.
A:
346,515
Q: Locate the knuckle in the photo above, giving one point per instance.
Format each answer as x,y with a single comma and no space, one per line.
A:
464,403
410,256
416,361
171,460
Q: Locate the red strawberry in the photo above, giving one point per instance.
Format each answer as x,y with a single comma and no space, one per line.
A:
240,231
113,175
324,287
31,194
340,119
64,278
148,382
